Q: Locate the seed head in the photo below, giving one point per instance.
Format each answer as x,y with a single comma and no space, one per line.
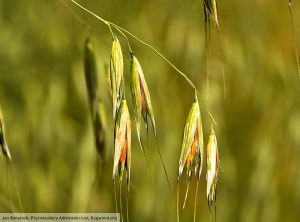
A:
192,144
212,160
140,96
116,74
122,141
91,76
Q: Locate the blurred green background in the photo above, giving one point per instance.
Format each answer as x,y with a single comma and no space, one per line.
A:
48,128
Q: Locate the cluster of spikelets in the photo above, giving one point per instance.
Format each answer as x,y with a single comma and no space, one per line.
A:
192,152
192,156
122,123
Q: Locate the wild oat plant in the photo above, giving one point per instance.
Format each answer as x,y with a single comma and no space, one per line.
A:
192,151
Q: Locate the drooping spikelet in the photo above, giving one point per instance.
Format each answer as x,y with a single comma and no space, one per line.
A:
140,96
191,154
96,109
122,141
212,160
116,74
91,75
192,143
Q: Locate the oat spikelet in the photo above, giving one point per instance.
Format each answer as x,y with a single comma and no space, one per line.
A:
213,162
141,102
96,109
122,157
192,143
192,150
3,143
116,74
122,141
143,108
91,75
140,97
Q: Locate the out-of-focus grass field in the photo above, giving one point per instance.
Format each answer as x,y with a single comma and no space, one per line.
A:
48,129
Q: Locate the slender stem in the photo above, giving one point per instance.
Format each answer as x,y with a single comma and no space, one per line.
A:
86,26
119,30
88,11
74,15
212,118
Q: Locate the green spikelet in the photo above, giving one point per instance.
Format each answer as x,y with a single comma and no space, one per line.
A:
116,74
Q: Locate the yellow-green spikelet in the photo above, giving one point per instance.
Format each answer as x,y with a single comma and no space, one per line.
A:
122,142
192,143
140,96
116,74
212,161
